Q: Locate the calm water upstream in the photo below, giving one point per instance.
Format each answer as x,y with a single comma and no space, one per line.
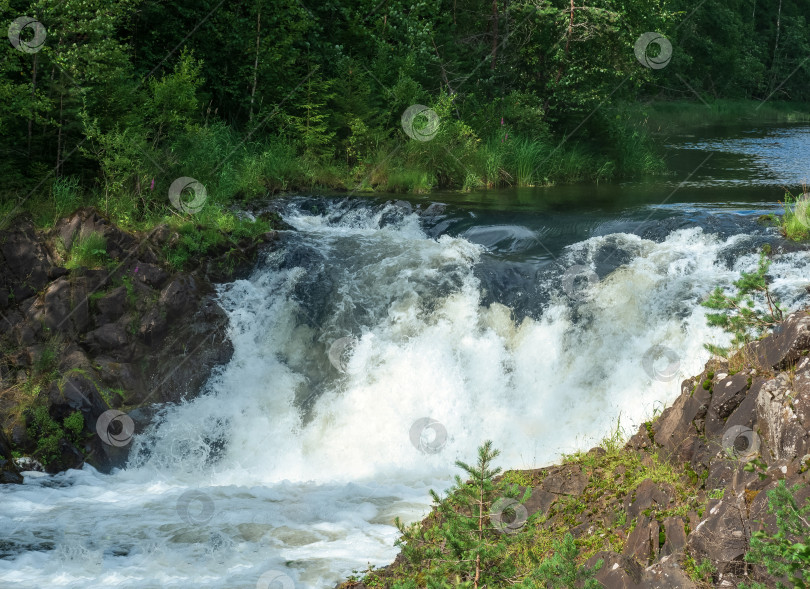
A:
523,316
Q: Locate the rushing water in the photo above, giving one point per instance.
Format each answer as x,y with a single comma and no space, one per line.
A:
533,318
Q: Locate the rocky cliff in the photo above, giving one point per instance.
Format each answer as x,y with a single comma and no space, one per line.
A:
78,341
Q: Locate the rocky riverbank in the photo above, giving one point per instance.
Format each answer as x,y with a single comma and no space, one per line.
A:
675,507
94,319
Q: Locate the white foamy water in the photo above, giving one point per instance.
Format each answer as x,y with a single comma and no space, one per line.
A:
301,469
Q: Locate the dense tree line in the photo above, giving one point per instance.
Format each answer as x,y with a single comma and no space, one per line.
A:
123,96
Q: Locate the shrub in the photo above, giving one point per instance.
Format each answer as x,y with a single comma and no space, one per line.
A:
561,571
787,553
46,432
475,533
74,424
463,542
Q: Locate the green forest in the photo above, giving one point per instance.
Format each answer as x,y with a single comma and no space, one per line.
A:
108,102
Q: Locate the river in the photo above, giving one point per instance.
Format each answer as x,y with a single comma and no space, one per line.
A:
386,338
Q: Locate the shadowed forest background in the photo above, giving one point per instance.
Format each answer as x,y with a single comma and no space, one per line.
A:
272,95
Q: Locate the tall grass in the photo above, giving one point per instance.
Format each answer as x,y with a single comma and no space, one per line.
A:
526,156
88,251
795,224
414,181
67,196
491,164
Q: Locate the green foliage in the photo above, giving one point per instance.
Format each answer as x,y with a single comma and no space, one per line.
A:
786,553
129,287
476,537
74,424
66,196
48,360
214,231
758,466
88,251
109,112
561,571
48,433
463,542
748,312
795,224
701,572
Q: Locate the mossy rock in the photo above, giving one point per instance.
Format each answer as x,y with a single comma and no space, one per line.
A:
769,220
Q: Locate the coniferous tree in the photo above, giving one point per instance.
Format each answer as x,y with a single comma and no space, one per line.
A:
469,534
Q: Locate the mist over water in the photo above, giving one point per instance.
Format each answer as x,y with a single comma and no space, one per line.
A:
469,316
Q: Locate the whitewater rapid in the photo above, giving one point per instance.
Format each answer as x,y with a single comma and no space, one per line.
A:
289,469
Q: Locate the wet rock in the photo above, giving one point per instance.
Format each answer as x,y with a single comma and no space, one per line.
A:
435,209
67,456
116,336
195,345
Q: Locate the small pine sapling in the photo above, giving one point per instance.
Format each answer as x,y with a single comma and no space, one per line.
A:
466,539
749,312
